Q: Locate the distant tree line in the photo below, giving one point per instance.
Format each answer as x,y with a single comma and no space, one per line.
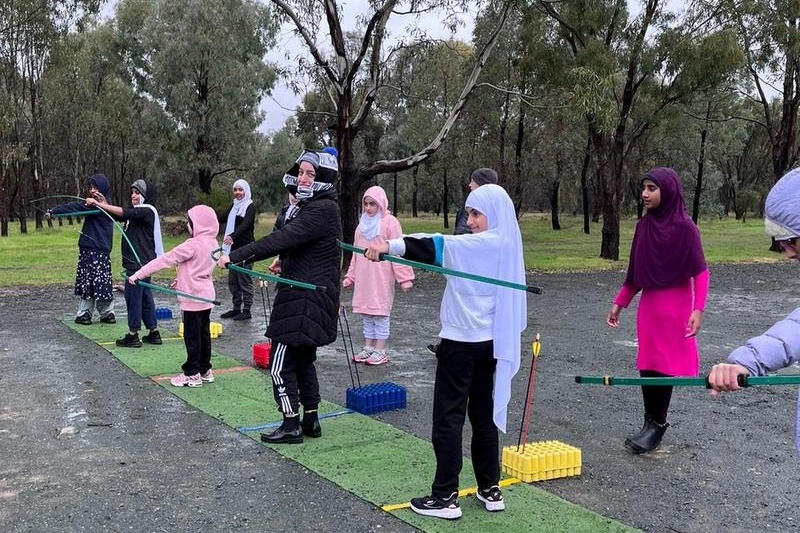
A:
571,102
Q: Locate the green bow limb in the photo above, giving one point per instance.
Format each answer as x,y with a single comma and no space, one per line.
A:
216,254
744,381
173,292
445,271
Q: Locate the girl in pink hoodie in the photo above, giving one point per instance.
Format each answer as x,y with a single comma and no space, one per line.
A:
195,265
373,293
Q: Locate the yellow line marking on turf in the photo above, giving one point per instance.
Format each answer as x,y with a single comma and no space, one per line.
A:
217,372
461,494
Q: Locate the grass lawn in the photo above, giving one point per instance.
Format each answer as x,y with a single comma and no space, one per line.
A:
49,256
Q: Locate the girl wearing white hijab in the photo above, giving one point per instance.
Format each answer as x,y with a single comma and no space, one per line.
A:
480,349
239,227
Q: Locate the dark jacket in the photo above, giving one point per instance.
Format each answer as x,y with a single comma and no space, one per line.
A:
281,219
243,227
461,223
310,253
139,222
98,229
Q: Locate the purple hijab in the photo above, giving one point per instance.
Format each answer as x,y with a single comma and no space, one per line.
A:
666,246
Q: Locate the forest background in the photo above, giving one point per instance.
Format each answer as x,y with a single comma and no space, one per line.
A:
572,102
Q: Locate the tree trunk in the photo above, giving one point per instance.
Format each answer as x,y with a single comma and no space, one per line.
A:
445,193
611,192
518,146
701,160
35,153
554,188
394,193
414,192
204,179
587,160
504,126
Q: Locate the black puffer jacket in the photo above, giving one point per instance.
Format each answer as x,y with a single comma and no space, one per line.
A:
309,253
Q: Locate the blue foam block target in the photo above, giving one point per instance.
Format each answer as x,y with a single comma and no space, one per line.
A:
376,398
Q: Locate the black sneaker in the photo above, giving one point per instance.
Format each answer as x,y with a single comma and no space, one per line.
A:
130,340
154,337
492,498
432,348
230,314
85,319
244,315
108,319
446,508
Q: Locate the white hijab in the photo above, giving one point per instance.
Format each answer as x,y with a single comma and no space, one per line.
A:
370,226
159,244
239,208
511,312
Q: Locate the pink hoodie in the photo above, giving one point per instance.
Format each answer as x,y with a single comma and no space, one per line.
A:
193,258
373,282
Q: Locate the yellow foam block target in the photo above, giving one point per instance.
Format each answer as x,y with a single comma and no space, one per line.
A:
215,328
538,461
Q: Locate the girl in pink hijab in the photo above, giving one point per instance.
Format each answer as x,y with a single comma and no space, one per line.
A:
668,266
373,283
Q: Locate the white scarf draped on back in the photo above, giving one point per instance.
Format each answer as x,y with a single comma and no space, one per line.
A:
239,208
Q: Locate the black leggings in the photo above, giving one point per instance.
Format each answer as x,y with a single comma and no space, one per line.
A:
656,398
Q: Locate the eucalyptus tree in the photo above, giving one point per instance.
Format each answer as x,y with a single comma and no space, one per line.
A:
428,78
742,155
94,120
353,77
29,29
769,35
204,63
615,56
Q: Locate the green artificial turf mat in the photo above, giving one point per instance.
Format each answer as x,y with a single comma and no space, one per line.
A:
242,398
364,456
149,360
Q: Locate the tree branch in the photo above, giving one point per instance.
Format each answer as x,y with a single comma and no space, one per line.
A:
312,47
396,165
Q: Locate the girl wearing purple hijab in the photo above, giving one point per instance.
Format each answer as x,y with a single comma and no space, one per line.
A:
668,265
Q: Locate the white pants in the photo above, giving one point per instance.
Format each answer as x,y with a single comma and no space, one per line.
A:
376,327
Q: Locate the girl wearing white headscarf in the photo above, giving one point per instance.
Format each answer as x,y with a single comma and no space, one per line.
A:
239,227
374,283
479,354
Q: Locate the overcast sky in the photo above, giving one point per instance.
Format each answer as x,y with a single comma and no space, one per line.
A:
282,103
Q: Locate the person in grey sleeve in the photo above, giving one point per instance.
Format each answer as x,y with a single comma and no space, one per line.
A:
779,346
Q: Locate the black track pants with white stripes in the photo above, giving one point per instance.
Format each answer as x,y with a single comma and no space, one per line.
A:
294,377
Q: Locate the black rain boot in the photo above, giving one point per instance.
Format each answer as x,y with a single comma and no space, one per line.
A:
648,438
232,313
310,424
244,315
288,433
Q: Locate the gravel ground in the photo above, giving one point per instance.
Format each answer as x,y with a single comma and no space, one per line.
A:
89,446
